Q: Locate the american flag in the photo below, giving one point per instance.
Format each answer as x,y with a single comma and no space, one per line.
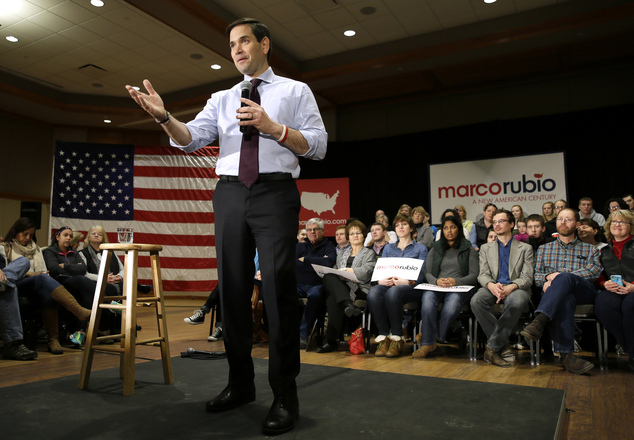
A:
162,193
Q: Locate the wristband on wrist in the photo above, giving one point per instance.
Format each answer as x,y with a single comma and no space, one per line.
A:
166,120
284,135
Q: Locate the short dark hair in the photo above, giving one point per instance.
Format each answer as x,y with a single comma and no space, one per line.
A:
536,218
258,28
509,215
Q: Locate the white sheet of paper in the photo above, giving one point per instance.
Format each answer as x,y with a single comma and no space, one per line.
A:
407,268
323,270
435,288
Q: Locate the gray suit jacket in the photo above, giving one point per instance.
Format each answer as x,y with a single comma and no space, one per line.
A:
521,266
362,265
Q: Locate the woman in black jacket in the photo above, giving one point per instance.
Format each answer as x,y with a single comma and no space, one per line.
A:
451,261
614,306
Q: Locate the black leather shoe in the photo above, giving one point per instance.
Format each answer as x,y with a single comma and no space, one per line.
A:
328,347
229,399
144,288
283,414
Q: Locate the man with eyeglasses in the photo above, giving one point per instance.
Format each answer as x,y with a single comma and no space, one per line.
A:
314,250
506,276
566,270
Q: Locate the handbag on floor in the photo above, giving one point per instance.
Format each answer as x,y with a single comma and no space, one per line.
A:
357,342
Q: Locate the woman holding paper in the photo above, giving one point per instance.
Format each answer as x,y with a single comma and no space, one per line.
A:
452,261
340,293
386,299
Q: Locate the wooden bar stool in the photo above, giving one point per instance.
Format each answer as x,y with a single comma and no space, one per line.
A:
129,300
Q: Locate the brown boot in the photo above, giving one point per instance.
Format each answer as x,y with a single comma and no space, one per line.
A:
49,318
68,301
396,347
383,347
424,350
493,357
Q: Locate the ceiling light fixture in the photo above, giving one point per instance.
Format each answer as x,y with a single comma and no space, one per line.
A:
489,1
216,66
97,3
107,121
12,39
349,33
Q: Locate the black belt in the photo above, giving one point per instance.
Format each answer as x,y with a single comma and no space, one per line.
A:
268,177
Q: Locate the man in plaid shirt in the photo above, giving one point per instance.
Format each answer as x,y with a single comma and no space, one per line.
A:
566,269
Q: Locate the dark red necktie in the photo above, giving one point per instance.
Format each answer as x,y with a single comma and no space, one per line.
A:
249,166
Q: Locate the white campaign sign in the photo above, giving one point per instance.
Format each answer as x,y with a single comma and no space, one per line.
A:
407,268
528,181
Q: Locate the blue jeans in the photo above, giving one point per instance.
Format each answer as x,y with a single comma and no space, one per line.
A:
386,306
434,327
38,289
10,320
559,303
616,313
315,306
499,329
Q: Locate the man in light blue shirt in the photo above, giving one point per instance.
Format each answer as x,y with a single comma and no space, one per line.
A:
261,209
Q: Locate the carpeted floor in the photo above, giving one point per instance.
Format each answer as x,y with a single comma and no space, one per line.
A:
336,403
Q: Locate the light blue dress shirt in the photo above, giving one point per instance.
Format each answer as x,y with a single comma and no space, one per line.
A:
286,101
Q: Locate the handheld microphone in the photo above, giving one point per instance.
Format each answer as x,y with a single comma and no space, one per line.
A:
245,87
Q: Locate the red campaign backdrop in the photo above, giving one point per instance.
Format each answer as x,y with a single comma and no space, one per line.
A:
328,199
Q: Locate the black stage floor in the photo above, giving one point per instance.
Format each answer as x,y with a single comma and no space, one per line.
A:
336,403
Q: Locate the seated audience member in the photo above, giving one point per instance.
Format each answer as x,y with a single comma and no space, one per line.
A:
314,250
548,211
91,256
391,235
213,300
614,204
518,213
405,210
341,293
522,231
10,320
629,200
586,211
386,299
491,236
536,229
566,282
551,225
340,239
67,268
37,285
301,235
452,261
614,305
466,224
379,238
481,227
506,276
588,232
449,213
78,237
424,234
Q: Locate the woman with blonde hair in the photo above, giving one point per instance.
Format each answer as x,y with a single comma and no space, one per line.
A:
548,211
91,254
614,304
466,224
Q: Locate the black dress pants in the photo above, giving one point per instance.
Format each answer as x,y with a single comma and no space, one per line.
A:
265,216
